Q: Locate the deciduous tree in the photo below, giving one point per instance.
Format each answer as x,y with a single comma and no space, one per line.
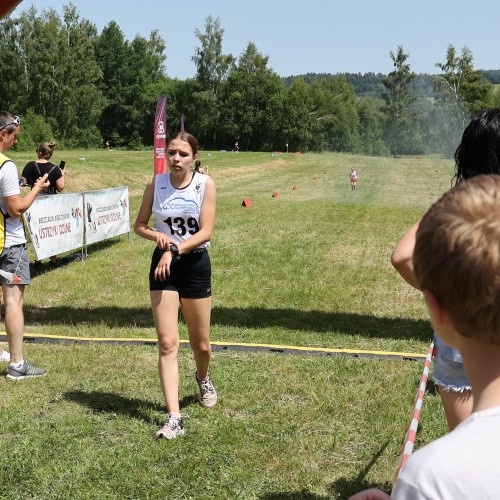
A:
253,97
335,115
461,92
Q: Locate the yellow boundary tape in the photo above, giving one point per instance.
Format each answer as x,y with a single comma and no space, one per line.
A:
285,349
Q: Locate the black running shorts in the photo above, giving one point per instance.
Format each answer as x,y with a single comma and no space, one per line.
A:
191,275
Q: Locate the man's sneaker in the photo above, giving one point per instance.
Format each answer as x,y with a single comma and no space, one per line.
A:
173,428
208,396
25,371
5,356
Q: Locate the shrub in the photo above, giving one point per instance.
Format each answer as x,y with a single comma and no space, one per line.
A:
34,130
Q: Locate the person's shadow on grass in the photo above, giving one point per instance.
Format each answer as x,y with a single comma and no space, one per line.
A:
327,323
139,409
292,495
341,488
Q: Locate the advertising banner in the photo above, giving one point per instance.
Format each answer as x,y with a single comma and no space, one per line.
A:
56,224
106,214
160,139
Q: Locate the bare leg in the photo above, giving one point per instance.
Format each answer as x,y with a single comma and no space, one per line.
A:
197,315
1,297
165,306
14,320
457,406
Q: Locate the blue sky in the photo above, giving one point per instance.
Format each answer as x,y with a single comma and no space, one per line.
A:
317,36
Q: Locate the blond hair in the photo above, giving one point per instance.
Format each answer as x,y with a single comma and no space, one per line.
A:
457,256
45,149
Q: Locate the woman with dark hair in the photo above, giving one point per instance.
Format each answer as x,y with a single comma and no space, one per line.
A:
199,168
479,150
39,167
182,203
477,153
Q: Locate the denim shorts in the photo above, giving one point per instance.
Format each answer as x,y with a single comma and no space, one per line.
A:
15,260
449,371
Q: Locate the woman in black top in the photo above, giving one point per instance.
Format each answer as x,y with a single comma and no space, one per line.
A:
38,168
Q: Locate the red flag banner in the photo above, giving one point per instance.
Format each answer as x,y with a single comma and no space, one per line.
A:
160,142
8,5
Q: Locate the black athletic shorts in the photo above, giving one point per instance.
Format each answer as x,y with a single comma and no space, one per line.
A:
191,275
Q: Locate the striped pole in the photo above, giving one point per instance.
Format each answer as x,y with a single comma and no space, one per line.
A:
411,434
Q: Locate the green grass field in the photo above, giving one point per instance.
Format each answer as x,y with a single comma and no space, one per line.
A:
310,267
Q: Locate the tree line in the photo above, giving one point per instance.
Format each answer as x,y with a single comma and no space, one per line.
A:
83,88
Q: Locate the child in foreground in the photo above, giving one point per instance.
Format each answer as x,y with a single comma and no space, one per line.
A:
478,153
457,265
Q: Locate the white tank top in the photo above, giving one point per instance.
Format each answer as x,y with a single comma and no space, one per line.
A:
177,211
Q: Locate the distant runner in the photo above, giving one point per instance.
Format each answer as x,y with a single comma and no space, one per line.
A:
353,176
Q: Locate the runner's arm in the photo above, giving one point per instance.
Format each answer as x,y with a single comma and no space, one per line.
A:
402,256
16,205
141,226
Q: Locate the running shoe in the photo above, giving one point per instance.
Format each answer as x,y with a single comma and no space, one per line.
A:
173,428
208,395
25,371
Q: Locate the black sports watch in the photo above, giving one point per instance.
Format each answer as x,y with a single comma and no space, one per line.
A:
174,249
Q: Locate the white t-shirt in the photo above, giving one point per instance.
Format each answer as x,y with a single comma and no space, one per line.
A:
463,464
9,186
177,211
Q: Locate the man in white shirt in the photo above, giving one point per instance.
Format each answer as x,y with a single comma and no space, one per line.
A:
14,257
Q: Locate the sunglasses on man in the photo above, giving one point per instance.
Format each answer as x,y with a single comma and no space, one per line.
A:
17,121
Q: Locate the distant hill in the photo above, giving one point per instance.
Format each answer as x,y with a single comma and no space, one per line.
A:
493,75
370,84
